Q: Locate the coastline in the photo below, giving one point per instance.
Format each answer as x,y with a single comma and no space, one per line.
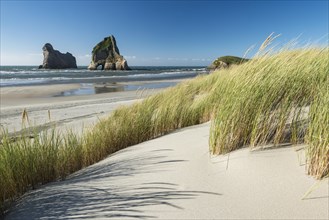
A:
154,110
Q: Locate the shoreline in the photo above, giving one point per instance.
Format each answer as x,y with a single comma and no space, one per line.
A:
15,95
74,112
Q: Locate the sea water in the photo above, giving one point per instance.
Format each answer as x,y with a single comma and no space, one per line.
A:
31,75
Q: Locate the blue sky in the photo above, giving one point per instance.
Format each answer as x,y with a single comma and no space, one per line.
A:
155,32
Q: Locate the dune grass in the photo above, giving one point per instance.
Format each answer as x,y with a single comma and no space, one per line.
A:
261,98
271,99
318,133
267,101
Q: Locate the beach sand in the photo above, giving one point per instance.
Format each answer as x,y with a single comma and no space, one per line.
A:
76,112
174,177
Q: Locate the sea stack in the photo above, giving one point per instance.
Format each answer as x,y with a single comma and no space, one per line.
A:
106,54
53,59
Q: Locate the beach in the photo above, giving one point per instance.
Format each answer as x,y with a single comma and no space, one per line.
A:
67,112
77,98
153,110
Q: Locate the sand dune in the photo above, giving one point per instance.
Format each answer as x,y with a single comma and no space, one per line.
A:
174,177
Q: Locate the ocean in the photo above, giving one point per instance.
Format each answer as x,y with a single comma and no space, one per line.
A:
31,75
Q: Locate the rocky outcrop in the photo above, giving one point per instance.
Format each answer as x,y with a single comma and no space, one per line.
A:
225,62
106,54
53,59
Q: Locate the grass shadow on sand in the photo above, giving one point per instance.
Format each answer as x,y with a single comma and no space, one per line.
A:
107,190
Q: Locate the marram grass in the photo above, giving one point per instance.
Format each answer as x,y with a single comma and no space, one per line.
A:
265,102
318,132
270,99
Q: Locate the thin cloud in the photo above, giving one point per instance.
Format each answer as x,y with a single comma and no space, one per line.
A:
130,57
85,56
34,54
189,59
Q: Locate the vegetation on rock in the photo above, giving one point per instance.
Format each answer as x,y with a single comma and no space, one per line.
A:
103,45
107,55
229,60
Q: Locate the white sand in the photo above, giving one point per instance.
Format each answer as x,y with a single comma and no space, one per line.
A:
174,177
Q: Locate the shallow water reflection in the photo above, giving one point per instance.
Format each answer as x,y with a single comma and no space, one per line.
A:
91,89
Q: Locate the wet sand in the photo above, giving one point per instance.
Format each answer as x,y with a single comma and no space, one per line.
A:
75,112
